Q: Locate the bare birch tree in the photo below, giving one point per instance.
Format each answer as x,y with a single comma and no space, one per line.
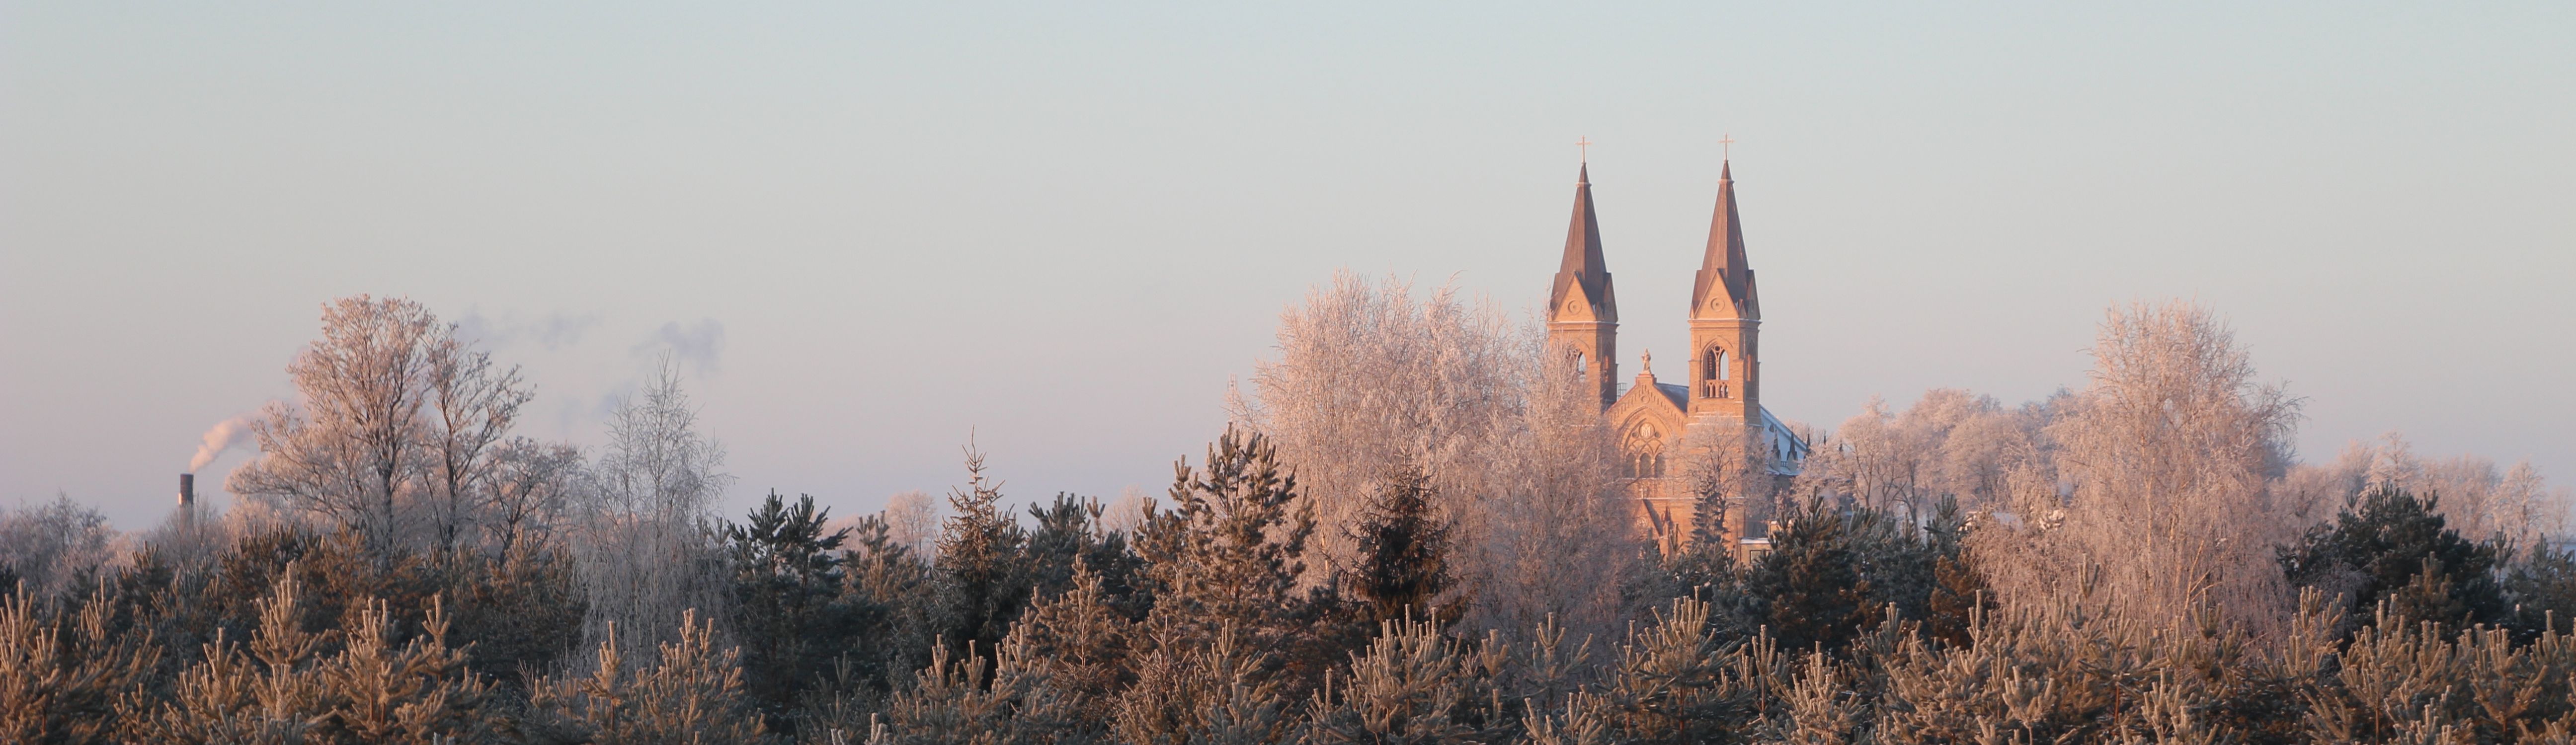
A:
912,521
532,488
471,406
646,549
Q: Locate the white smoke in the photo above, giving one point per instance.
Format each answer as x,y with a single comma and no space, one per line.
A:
698,345
225,436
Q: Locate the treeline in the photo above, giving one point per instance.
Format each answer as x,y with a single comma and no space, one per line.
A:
1416,534
1197,627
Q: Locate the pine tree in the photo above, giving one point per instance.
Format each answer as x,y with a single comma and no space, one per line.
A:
1956,590
1232,555
518,613
1412,684
692,695
1082,646
893,599
62,673
1809,589
420,691
787,586
1068,533
2388,540
2542,587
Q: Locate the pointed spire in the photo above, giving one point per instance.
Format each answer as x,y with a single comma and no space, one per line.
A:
1583,232
1583,269
1723,273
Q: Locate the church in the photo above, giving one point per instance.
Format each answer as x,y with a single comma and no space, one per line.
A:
1678,442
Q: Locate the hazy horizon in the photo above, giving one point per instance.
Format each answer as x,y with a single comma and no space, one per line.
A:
867,233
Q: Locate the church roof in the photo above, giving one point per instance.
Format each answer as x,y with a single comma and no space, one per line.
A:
1788,450
1724,288
1680,394
1583,270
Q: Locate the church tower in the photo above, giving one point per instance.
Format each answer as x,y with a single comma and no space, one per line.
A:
1582,314
1725,319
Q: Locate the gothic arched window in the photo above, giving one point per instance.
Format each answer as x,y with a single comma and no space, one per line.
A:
1643,453
1713,364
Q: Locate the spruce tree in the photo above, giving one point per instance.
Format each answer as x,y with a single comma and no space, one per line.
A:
1404,547
984,580
1703,567
1831,576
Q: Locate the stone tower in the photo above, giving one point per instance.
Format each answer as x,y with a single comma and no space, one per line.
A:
1582,313
1725,320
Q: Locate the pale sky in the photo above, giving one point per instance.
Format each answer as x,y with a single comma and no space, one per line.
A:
873,228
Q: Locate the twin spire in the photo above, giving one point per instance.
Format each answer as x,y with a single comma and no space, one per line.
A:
1724,287
1582,291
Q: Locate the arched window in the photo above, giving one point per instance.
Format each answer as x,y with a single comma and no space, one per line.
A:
1578,363
1643,451
1713,364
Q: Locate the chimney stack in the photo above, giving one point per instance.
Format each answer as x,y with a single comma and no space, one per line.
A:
188,497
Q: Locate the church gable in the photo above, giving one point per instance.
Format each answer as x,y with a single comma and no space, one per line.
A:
1576,304
1648,398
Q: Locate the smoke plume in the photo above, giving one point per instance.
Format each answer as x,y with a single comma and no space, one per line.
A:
226,435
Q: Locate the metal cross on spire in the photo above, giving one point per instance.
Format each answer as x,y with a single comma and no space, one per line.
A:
1727,142
1583,147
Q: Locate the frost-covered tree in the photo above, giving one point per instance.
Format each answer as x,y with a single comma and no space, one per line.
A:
1949,444
912,520
533,487
646,544
2477,498
2170,450
471,407
396,425
52,546
1370,377
354,449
